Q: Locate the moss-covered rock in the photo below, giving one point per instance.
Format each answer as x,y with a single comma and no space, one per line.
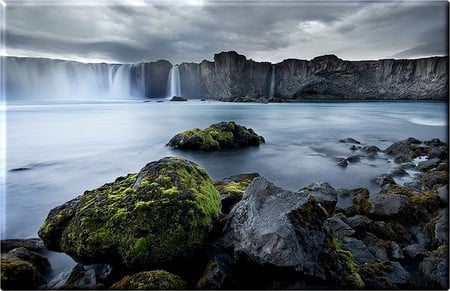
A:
150,218
220,135
150,280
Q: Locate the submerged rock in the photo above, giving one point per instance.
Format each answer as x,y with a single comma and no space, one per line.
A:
145,219
349,140
178,98
220,135
151,280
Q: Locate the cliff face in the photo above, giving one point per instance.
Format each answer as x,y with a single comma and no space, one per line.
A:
232,77
327,77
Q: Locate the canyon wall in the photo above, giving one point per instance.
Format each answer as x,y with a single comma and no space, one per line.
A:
232,77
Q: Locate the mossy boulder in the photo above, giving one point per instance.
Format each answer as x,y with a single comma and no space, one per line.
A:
222,135
151,280
151,218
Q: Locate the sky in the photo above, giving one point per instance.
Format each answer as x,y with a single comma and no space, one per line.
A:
133,31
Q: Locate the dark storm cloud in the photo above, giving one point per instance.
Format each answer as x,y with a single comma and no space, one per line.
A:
262,31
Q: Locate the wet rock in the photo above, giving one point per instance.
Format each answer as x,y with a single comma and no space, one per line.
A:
222,135
421,237
341,162
216,274
378,247
439,152
443,193
359,250
412,140
151,280
435,267
154,217
371,149
81,277
32,244
401,151
415,251
23,269
384,179
275,227
349,140
358,222
395,252
440,230
354,148
385,275
232,188
434,142
340,228
354,159
360,201
178,98
398,172
388,205
324,194
429,164
434,178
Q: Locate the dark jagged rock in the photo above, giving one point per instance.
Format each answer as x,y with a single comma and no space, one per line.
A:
349,140
388,205
81,277
341,162
232,188
217,272
429,164
340,228
385,275
360,202
222,135
151,280
384,179
434,178
435,267
32,244
275,227
443,193
324,194
401,151
415,251
359,250
150,218
178,98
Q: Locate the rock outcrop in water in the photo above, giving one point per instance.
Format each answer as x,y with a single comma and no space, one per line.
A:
232,77
222,135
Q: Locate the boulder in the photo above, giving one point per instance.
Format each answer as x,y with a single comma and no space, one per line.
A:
415,251
151,280
401,151
385,275
384,179
439,152
435,267
216,274
349,140
340,228
220,135
232,188
81,277
443,193
383,205
178,98
434,178
324,193
359,201
279,228
429,164
31,244
359,250
145,219
440,230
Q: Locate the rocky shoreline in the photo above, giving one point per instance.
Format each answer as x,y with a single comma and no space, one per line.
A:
171,227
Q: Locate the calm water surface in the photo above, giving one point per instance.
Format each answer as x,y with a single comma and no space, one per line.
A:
67,148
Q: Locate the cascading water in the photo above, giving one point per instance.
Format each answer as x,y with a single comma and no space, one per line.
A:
173,83
32,78
272,83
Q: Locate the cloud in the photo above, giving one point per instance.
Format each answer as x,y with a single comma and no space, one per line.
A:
263,31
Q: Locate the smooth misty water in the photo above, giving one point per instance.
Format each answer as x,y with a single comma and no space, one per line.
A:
69,148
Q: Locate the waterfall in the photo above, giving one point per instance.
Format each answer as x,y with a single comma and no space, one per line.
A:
272,83
33,78
173,83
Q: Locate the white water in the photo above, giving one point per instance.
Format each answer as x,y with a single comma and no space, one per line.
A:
173,83
272,83
27,78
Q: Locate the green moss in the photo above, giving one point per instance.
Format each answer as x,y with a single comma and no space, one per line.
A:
169,212
375,269
310,213
151,280
428,200
18,274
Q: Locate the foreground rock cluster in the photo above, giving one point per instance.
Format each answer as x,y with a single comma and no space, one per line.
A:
171,227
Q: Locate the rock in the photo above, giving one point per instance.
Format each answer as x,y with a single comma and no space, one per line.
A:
216,274
40,262
279,228
390,230
429,164
401,151
151,280
371,149
340,228
421,237
178,98
439,152
378,247
349,140
384,275
434,142
358,222
81,277
354,159
31,244
435,267
150,218
359,250
341,162
384,179
415,251
354,148
434,178
395,252
440,231
388,205
412,140
232,188
360,201
443,193
398,172
324,194
220,135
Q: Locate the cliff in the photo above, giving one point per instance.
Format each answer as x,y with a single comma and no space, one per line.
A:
232,77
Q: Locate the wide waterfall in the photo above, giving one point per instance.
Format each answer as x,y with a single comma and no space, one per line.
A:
31,78
173,83
272,83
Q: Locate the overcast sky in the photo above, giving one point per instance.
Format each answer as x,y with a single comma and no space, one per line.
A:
263,31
